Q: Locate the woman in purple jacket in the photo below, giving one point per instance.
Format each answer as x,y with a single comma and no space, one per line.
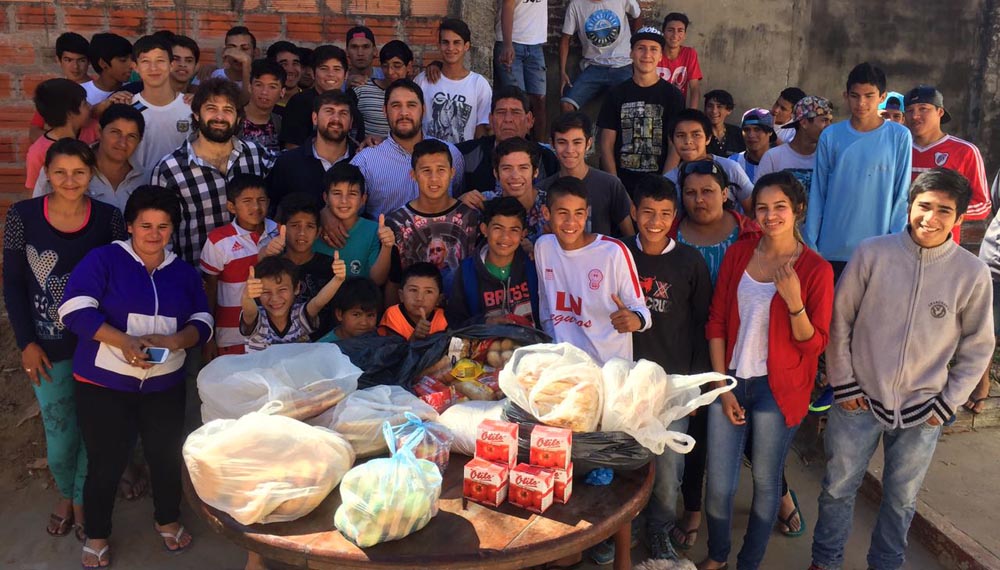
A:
121,300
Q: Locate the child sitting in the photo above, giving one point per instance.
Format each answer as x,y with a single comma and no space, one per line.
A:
356,307
417,315
229,254
275,282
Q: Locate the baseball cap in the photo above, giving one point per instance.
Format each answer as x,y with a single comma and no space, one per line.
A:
360,32
808,107
649,33
929,95
758,117
893,102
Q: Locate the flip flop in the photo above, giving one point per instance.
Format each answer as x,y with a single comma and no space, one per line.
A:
690,538
788,520
62,525
136,485
80,534
975,402
100,557
176,538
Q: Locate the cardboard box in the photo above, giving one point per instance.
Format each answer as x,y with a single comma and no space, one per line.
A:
485,482
562,488
531,487
551,447
497,441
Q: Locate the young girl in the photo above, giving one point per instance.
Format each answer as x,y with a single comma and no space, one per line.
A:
768,324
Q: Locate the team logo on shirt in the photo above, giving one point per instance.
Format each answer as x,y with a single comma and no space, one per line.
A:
940,158
550,275
602,28
657,294
939,309
183,125
355,267
595,277
237,246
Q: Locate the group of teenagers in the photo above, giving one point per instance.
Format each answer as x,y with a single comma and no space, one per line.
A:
220,212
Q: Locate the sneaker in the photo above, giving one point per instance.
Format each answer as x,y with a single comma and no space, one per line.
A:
603,553
823,402
660,547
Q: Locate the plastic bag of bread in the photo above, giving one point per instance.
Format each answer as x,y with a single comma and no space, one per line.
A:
263,468
559,384
388,498
359,417
642,400
299,381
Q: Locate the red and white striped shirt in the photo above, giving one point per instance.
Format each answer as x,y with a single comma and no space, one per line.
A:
229,253
962,156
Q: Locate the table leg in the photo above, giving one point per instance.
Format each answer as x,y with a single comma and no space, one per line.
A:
623,547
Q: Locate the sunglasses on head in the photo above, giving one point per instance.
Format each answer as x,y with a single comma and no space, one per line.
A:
701,167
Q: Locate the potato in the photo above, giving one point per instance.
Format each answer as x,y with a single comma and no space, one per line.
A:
505,357
494,359
506,345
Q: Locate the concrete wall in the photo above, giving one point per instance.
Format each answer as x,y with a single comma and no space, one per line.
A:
755,48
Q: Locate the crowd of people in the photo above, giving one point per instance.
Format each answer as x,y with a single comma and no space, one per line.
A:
183,214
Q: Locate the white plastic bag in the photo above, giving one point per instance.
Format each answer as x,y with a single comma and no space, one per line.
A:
463,418
388,498
642,400
359,417
427,440
263,468
295,380
559,384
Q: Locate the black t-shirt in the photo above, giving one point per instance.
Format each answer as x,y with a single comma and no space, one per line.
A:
478,155
608,200
297,126
731,143
678,291
314,275
641,117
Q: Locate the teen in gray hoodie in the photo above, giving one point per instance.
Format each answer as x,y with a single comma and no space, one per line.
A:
906,305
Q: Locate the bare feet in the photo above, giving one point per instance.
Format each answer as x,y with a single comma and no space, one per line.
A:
684,534
133,483
789,519
61,519
175,538
96,554
977,400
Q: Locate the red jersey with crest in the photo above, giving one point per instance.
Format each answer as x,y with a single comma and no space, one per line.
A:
574,294
956,154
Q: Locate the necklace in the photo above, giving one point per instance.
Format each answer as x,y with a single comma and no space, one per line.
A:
759,253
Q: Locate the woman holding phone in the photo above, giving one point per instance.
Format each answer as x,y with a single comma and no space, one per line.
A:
121,300
44,239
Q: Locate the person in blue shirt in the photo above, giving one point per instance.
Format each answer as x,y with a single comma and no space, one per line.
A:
862,175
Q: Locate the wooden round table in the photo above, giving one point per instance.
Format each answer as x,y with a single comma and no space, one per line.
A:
463,535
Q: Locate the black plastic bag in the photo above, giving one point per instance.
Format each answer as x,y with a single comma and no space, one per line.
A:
613,449
392,360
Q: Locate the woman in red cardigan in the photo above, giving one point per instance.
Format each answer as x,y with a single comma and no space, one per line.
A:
768,324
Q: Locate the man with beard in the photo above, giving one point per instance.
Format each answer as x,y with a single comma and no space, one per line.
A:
301,169
510,117
387,167
329,65
167,116
200,168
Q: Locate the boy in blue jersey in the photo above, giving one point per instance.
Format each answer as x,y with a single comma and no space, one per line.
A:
862,175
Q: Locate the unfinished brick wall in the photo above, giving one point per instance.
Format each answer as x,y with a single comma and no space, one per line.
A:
28,31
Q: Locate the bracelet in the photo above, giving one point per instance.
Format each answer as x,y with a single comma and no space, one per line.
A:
642,321
797,313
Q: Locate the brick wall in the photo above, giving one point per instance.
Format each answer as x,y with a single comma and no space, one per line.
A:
28,31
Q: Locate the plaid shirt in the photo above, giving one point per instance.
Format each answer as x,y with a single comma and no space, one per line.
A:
203,190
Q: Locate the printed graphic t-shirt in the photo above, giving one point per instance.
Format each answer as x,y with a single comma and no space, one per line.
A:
640,116
442,238
603,30
453,109
678,72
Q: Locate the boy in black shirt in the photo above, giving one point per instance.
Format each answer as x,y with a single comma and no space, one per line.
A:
498,283
678,291
634,118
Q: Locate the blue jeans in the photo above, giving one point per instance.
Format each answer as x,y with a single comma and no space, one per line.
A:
850,440
662,509
771,441
593,80
527,71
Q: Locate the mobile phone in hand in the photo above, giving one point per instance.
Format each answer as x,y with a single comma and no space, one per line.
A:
157,355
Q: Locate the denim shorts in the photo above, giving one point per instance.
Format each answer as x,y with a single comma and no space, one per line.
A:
528,70
593,80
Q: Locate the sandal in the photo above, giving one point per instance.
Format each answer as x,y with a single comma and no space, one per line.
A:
134,483
80,534
683,539
176,537
59,526
787,521
974,405
103,561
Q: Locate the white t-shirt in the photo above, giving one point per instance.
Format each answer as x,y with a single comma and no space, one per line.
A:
603,30
786,135
531,22
221,73
453,109
574,294
782,157
95,94
167,127
750,353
